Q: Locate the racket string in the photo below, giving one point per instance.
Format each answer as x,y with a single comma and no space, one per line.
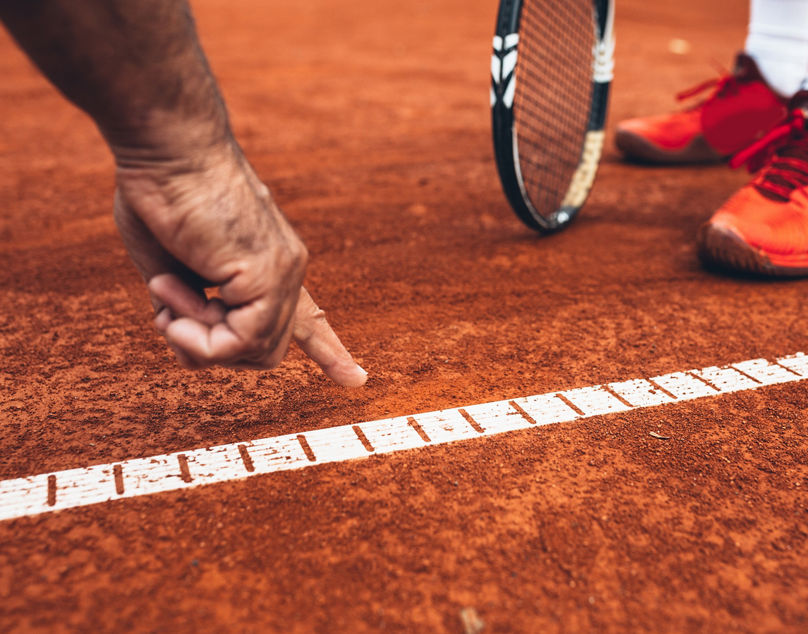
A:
553,95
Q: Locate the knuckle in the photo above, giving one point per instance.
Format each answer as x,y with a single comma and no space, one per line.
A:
292,257
314,321
317,316
263,193
299,254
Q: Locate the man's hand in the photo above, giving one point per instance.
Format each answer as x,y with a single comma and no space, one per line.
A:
191,211
191,227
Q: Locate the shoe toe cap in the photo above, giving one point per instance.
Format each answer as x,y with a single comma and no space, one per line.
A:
664,139
755,234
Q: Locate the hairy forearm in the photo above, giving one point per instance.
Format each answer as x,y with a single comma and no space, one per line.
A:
135,66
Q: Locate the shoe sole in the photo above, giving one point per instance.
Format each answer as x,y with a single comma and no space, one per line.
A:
722,247
640,150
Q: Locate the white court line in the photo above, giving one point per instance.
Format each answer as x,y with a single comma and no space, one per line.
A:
74,488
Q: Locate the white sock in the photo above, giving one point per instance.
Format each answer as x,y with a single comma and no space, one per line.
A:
778,42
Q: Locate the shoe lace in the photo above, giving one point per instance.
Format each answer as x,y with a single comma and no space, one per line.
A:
784,154
724,82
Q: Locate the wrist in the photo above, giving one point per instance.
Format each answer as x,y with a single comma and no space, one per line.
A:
164,139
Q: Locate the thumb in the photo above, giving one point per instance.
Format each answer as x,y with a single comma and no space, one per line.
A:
316,338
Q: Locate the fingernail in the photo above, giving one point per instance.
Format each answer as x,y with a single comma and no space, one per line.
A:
357,380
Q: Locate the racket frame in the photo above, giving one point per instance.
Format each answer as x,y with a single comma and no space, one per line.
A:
504,61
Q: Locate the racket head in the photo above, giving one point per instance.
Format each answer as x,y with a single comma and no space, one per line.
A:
551,69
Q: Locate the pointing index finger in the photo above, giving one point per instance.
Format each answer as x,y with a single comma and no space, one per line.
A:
316,338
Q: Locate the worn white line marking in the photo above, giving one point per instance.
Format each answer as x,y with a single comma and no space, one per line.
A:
726,379
765,372
393,434
546,409
210,465
593,401
277,454
497,418
684,386
797,363
640,393
74,488
445,426
335,444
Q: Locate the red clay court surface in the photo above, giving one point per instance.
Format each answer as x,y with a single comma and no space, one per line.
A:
370,122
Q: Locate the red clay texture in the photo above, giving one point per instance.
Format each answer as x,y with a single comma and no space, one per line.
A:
370,123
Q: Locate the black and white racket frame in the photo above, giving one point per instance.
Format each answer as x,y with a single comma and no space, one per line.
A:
506,146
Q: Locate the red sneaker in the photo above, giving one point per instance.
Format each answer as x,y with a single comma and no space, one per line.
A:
763,228
739,111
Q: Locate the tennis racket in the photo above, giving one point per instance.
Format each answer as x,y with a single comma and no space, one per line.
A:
550,75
